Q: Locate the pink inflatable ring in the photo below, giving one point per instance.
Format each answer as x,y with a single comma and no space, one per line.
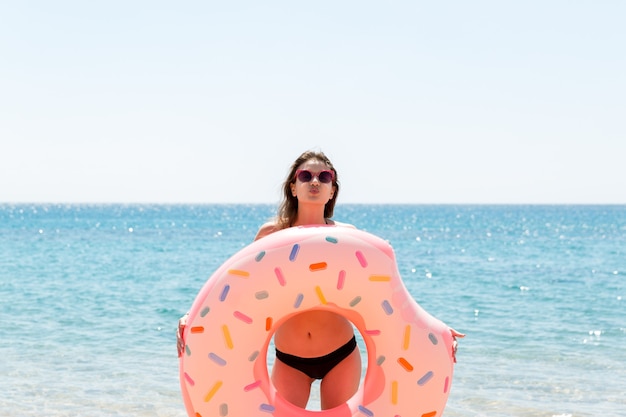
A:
223,371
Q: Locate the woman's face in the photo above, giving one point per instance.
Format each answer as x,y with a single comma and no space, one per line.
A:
313,191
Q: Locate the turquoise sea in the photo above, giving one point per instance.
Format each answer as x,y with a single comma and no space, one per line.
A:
90,296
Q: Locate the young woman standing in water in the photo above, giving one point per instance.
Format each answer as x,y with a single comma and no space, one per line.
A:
315,344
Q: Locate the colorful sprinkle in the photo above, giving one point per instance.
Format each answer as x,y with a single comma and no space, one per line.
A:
298,301
261,295
380,278
260,256
189,380
387,307
405,364
341,279
212,391
224,292
431,414
280,276
394,392
239,315
446,384
331,239
223,410
268,408
407,337
320,294
427,376
268,324
217,359
372,332
252,386
197,329
366,411
205,311
227,339
294,252
319,266
253,356
187,350
380,360
239,272
433,338
356,300
361,258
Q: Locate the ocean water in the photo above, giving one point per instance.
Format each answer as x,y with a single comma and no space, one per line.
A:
90,296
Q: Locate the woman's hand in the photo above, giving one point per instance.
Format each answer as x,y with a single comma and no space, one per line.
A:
180,342
455,344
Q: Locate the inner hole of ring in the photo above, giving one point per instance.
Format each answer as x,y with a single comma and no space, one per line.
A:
314,399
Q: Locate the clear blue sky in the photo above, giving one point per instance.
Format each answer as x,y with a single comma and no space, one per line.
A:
414,101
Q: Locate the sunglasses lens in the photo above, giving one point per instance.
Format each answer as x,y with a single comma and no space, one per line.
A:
325,176
305,176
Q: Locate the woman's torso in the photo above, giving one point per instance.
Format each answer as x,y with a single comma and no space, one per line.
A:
313,333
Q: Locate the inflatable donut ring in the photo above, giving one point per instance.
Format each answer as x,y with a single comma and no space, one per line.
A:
223,369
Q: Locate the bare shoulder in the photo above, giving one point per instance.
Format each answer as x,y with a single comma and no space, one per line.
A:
266,229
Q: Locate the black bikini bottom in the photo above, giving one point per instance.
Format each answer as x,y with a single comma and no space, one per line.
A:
317,368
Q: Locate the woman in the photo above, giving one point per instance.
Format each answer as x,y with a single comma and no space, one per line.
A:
316,344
